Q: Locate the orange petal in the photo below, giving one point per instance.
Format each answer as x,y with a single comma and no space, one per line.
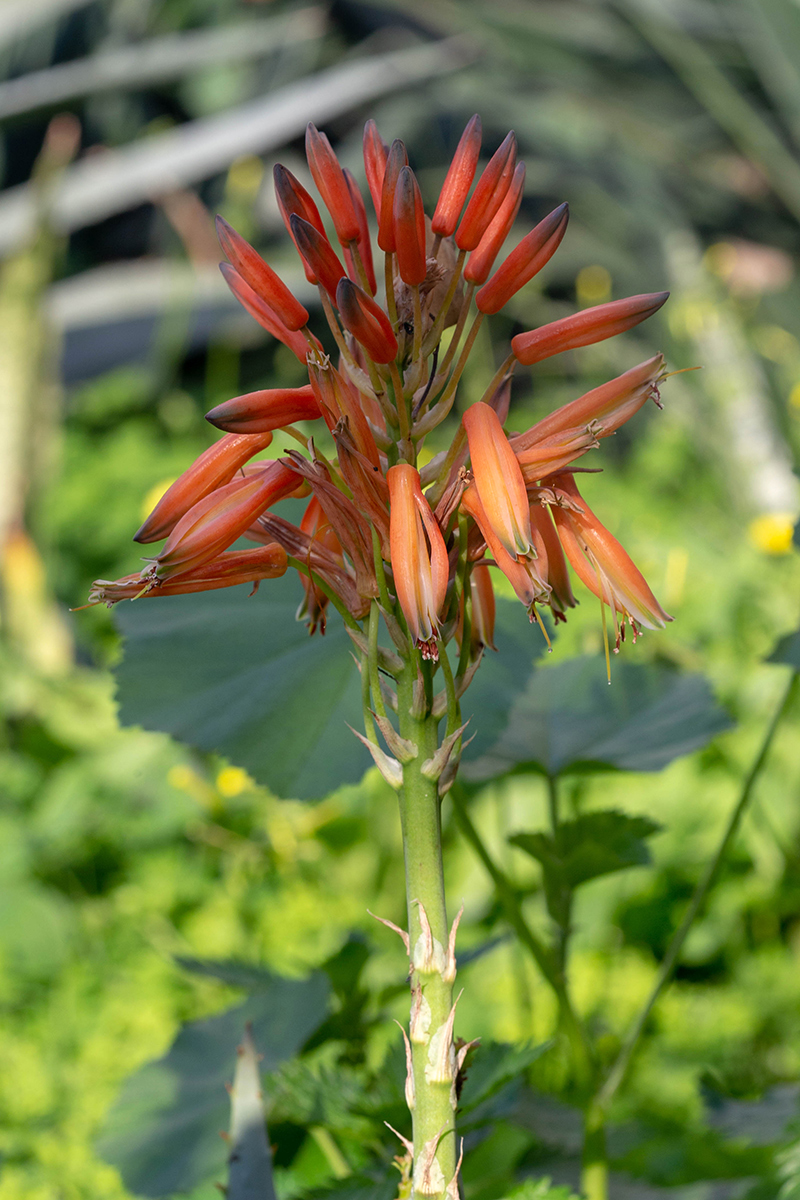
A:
419,559
258,412
481,260
498,479
489,194
329,178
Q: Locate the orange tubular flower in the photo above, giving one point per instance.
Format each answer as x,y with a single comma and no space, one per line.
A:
329,178
234,567
605,407
337,402
213,469
523,575
498,479
551,563
364,241
409,229
600,562
458,180
367,322
267,317
396,160
215,522
418,555
489,194
481,260
375,154
294,200
585,328
261,278
259,412
533,252
318,253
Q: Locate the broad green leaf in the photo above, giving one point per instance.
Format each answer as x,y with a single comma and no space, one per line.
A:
593,844
568,716
163,1132
787,651
239,675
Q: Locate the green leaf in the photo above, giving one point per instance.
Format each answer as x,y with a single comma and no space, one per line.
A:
238,674
593,844
787,651
568,716
163,1132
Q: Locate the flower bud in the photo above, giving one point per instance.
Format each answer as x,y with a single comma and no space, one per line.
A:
458,180
409,229
260,311
215,522
292,199
526,260
214,468
329,178
261,278
396,160
482,258
522,575
550,562
364,239
258,412
375,154
318,253
419,559
489,194
585,328
498,479
367,322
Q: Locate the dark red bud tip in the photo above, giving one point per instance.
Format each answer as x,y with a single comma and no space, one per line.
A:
396,160
526,260
260,277
458,180
318,253
367,322
585,328
328,177
490,192
409,228
262,312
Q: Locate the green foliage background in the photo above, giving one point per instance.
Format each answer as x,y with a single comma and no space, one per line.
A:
124,854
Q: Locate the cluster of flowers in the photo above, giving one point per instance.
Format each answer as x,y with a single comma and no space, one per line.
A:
374,520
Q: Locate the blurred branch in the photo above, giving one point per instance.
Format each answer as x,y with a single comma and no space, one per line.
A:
117,180
158,60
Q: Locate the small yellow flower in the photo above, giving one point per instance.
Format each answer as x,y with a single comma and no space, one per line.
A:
772,533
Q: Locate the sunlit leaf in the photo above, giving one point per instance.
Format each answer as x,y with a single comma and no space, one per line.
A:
593,844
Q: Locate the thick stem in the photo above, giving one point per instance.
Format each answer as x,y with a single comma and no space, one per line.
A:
594,1170
433,1057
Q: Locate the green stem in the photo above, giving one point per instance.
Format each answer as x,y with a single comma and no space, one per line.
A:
620,1068
539,952
343,612
594,1169
434,1111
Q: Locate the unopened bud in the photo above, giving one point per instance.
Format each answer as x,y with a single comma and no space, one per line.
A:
267,318
259,412
481,260
367,322
261,277
458,180
526,260
489,194
396,160
585,328
294,200
329,178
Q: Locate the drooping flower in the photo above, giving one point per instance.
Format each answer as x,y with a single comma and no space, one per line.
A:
418,557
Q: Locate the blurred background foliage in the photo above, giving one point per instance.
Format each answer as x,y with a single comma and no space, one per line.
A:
672,129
